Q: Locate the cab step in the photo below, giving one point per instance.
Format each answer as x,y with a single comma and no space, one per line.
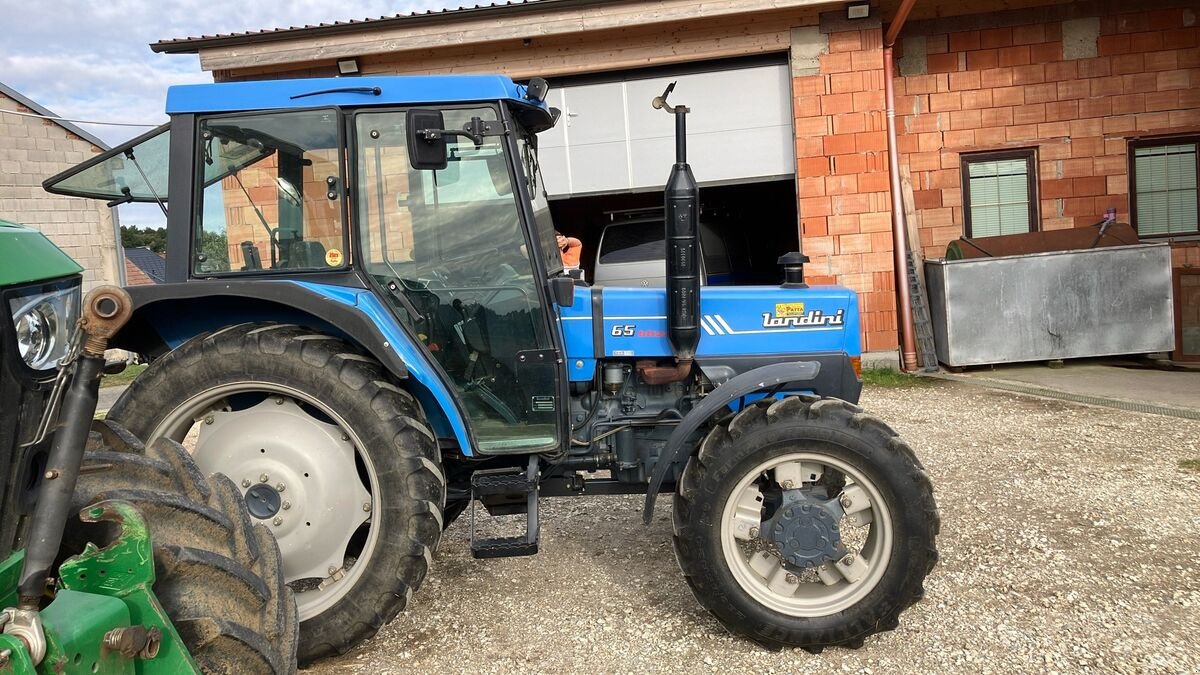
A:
499,483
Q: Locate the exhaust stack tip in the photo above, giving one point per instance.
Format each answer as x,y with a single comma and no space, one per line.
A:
793,269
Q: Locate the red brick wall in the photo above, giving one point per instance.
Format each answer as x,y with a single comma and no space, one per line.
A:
1010,87
842,178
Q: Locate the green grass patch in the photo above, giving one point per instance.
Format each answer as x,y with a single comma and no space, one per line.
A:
124,377
1190,464
886,377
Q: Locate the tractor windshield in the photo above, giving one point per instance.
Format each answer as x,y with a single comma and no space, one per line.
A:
450,247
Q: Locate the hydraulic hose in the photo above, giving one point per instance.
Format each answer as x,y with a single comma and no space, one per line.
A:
105,310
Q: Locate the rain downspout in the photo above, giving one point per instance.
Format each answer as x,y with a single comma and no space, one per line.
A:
908,339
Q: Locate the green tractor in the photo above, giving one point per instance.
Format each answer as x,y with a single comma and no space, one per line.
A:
114,557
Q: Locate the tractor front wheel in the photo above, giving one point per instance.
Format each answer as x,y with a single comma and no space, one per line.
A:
331,456
218,578
804,522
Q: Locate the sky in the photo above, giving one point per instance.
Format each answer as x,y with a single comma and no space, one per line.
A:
90,59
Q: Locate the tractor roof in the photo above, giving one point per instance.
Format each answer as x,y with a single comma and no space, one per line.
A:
344,91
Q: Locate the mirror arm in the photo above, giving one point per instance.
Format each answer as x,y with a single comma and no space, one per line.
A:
435,134
475,130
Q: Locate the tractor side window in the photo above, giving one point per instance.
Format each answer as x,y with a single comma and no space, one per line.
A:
272,197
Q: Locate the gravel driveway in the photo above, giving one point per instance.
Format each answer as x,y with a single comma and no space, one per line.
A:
1070,542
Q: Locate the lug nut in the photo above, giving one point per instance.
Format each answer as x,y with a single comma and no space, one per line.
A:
332,570
845,501
51,474
345,437
287,505
754,533
279,487
278,520
208,420
791,579
278,400
788,485
848,560
263,478
245,482
366,506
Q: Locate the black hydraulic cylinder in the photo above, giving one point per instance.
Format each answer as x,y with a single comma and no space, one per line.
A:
58,483
682,200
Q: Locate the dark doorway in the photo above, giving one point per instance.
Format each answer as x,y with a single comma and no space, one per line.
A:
758,220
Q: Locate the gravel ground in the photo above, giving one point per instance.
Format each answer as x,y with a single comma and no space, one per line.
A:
1070,543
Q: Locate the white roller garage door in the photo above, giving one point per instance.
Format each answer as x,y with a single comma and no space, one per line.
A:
611,140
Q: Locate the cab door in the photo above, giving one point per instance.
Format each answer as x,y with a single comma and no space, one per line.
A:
450,249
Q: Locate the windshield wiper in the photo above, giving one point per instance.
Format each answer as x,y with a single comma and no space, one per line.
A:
373,91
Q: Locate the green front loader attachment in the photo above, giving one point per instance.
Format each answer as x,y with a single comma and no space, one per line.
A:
104,618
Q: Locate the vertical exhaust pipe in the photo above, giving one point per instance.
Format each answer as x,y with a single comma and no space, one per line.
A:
682,203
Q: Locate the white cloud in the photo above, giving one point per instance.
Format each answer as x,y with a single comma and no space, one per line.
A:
91,60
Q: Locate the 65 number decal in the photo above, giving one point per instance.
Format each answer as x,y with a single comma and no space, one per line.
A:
623,330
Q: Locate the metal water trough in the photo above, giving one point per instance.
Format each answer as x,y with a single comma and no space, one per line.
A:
1057,305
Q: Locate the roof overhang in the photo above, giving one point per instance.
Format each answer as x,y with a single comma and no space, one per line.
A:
454,28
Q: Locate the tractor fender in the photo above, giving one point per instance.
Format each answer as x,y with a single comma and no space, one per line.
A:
167,315
749,382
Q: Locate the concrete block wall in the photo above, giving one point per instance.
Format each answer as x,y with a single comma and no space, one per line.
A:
32,150
1074,87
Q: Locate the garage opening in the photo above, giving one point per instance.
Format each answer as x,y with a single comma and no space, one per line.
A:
755,223
605,162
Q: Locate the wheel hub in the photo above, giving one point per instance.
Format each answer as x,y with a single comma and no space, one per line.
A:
805,530
298,475
263,501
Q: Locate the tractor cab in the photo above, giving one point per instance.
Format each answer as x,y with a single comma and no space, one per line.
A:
400,184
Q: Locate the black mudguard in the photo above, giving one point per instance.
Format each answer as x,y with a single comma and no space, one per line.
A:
760,379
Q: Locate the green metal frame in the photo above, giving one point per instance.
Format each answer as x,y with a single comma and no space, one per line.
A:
99,590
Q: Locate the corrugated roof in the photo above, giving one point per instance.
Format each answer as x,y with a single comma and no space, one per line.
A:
191,45
46,112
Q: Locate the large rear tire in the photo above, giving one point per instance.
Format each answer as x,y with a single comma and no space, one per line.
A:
219,579
331,455
804,522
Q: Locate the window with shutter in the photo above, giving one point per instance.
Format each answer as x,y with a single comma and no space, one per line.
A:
1164,191
999,194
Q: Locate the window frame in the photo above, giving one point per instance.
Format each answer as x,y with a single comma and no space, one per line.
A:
1031,161
1133,144
196,218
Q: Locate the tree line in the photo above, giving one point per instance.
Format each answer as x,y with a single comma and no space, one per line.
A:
153,239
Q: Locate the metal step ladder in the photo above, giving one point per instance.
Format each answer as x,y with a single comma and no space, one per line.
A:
922,321
507,482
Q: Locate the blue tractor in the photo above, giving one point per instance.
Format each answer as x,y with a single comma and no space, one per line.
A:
368,328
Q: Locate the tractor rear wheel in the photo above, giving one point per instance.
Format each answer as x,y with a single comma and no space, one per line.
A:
219,579
804,522
333,457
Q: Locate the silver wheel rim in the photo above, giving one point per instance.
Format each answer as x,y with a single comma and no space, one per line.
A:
320,500
867,531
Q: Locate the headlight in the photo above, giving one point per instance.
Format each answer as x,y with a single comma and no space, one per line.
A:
44,321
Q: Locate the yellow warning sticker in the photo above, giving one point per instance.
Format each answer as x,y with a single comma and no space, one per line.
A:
333,257
789,309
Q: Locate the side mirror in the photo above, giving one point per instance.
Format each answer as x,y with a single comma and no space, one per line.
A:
562,289
426,150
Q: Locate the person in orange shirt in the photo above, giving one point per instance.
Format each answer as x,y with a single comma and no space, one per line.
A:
571,249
